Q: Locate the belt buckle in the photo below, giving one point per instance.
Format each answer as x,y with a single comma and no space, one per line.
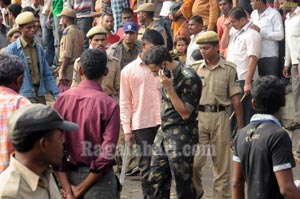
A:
209,109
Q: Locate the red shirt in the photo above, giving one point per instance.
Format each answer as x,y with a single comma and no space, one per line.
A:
111,39
221,27
98,118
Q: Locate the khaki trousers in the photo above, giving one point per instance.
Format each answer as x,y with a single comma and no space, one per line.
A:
214,141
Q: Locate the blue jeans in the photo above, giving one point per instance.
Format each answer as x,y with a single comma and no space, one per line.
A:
167,24
57,37
85,24
48,39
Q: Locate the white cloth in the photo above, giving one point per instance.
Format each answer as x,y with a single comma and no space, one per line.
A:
191,48
242,44
292,37
271,31
165,9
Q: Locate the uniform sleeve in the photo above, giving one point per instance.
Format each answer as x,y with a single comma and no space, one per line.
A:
234,87
190,93
76,76
68,45
117,77
125,102
281,151
236,157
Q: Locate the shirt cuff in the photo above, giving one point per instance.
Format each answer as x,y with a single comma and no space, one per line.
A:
282,167
236,159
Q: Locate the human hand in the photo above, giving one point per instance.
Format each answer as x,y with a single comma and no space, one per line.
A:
255,27
228,24
166,82
129,138
247,88
285,72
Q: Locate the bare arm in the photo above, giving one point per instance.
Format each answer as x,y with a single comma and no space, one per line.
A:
65,184
238,182
250,72
286,184
235,100
225,37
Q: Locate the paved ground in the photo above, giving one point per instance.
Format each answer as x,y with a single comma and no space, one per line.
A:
132,189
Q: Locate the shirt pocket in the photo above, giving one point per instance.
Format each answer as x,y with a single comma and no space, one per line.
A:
220,87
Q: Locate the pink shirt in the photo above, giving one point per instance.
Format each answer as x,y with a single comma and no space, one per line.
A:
140,97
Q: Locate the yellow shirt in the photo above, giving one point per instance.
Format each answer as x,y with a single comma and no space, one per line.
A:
30,53
19,182
218,83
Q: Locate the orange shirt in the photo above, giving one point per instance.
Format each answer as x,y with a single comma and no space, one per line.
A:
220,28
9,102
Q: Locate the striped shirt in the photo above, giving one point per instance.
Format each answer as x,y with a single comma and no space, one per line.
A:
9,102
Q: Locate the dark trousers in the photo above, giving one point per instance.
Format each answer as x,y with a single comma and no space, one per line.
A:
144,140
268,66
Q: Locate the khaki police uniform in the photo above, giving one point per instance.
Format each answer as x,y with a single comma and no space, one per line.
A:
218,86
71,46
17,181
155,25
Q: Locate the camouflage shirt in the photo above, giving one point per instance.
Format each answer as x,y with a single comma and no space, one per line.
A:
187,85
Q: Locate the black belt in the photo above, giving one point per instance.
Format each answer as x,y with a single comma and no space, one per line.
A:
211,108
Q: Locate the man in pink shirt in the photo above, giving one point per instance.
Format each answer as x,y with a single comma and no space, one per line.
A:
140,105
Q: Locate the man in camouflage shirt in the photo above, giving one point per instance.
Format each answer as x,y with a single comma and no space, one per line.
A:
172,153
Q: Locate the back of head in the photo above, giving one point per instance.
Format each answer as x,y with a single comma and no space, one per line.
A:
93,63
14,9
268,93
157,55
153,37
11,67
237,13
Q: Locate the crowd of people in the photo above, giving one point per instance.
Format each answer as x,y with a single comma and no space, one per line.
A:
176,81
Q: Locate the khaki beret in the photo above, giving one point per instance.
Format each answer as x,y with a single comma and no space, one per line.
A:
146,7
25,18
207,37
12,31
68,12
95,30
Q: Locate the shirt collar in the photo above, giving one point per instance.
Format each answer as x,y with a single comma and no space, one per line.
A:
90,84
220,64
265,117
7,90
246,27
29,176
126,48
25,43
139,60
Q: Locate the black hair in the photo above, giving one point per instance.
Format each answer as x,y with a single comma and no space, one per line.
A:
196,55
157,55
11,67
15,9
106,14
197,18
229,1
28,9
186,41
127,11
153,37
268,92
237,13
93,63
27,142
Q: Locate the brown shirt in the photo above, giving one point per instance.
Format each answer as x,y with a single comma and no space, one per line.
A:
110,83
30,53
71,46
218,83
128,55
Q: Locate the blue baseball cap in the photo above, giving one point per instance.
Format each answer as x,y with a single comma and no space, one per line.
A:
130,27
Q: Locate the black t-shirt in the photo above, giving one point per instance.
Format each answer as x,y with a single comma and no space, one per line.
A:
263,148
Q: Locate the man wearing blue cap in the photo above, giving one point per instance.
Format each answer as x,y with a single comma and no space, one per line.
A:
127,49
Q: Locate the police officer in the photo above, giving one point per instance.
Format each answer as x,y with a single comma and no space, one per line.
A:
71,46
219,90
36,132
111,82
145,17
